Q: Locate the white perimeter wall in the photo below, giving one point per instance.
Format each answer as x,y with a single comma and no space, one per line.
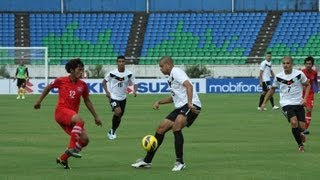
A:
153,70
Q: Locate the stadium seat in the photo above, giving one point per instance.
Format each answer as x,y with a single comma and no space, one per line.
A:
301,38
6,37
201,35
81,35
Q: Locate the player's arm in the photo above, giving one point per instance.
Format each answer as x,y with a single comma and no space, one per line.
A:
317,83
15,76
260,77
135,89
105,87
135,85
27,73
307,90
189,90
44,93
272,73
267,97
90,107
165,100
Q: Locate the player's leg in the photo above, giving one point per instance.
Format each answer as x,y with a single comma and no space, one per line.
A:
308,120
296,131
19,84
308,109
23,89
163,127
63,118
274,107
179,124
300,113
78,137
267,85
272,101
263,93
302,125
118,108
82,142
185,118
293,113
73,125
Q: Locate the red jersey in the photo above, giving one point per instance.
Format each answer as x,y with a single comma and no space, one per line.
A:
312,77
70,92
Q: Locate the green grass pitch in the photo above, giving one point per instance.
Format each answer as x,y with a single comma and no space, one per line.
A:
229,140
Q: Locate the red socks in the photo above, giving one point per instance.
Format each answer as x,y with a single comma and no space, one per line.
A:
74,139
308,119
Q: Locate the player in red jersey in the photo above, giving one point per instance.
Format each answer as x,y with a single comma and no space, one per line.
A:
71,88
312,76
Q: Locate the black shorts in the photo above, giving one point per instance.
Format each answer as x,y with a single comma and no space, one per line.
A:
290,111
266,85
184,110
21,83
115,103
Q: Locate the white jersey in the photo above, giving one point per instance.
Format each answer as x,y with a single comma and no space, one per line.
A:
178,91
265,66
118,82
291,87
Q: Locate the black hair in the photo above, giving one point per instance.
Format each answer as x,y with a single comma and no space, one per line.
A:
309,58
269,52
73,64
121,57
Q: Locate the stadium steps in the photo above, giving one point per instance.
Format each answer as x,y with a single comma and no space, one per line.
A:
22,36
136,37
264,37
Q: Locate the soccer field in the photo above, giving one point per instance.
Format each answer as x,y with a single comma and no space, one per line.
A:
229,140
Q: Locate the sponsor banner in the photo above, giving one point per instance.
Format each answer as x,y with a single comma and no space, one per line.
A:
233,85
156,86
145,86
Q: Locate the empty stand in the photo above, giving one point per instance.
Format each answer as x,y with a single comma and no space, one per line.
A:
191,38
201,37
96,38
297,34
6,37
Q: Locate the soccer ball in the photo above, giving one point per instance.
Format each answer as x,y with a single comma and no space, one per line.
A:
149,143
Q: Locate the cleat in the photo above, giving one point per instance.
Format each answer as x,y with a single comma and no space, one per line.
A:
111,135
63,163
23,97
141,164
303,138
18,97
259,109
178,166
306,132
301,149
275,107
72,152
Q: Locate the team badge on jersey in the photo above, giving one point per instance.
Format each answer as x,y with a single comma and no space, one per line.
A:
79,89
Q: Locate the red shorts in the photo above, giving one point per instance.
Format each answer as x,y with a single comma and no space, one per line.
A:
310,99
64,117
